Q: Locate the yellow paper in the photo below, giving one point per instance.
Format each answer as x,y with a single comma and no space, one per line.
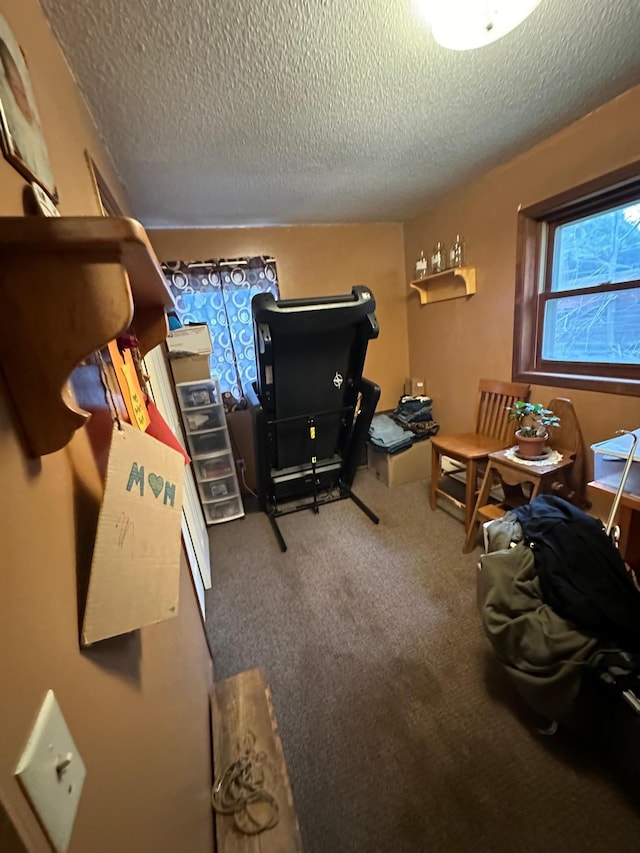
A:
140,414
130,388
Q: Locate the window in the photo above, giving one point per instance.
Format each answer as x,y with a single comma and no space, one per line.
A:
577,317
219,293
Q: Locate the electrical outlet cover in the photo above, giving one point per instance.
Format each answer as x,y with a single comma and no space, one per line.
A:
51,773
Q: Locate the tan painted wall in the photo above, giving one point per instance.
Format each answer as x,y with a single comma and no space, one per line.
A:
137,706
318,260
455,343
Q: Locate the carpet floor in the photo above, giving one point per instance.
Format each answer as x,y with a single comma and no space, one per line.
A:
400,730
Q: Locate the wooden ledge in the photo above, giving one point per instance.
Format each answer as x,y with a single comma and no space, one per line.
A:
449,284
69,285
85,240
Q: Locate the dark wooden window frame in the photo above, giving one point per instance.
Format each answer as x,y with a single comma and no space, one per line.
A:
537,225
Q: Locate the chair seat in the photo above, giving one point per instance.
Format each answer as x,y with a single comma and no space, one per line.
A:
467,445
492,432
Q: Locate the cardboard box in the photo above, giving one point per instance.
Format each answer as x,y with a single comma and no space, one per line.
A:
241,431
405,467
195,339
190,368
135,568
415,387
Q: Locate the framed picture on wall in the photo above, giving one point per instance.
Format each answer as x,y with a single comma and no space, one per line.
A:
105,198
21,134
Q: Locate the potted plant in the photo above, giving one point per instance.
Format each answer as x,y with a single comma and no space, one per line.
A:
534,423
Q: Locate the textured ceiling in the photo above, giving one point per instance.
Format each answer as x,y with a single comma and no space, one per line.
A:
288,111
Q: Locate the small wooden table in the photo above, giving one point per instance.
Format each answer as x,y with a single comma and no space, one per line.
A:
513,473
628,520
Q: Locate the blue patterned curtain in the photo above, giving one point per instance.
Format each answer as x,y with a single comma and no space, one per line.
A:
219,293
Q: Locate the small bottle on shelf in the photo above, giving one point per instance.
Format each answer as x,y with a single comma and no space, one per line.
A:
457,252
439,258
421,266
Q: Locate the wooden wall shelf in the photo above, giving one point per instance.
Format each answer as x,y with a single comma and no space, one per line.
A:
69,285
450,284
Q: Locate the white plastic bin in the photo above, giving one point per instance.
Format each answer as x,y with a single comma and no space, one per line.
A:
609,459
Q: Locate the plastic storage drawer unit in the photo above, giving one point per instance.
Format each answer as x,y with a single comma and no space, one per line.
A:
206,430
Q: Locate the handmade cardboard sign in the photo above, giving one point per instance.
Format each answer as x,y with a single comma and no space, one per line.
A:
136,558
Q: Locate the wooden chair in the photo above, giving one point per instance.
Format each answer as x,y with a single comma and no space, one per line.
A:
568,437
492,431
566,477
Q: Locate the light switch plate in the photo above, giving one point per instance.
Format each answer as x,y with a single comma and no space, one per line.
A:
51,773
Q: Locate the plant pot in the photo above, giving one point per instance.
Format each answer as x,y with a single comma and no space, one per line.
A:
531,446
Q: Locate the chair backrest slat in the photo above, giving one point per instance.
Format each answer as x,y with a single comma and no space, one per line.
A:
494,396
568,438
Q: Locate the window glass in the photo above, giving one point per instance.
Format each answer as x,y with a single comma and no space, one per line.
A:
595,327
599,249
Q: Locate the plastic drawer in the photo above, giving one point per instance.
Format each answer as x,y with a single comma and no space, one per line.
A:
224,487
206,443
219,511
197,395
205,418
215,468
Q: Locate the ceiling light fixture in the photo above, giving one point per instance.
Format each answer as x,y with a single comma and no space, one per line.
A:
468,24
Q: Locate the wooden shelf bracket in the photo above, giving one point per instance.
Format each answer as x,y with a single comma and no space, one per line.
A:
450,284
69,285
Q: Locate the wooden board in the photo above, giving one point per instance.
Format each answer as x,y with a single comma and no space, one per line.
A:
89,238
242,706
448,284
83,241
